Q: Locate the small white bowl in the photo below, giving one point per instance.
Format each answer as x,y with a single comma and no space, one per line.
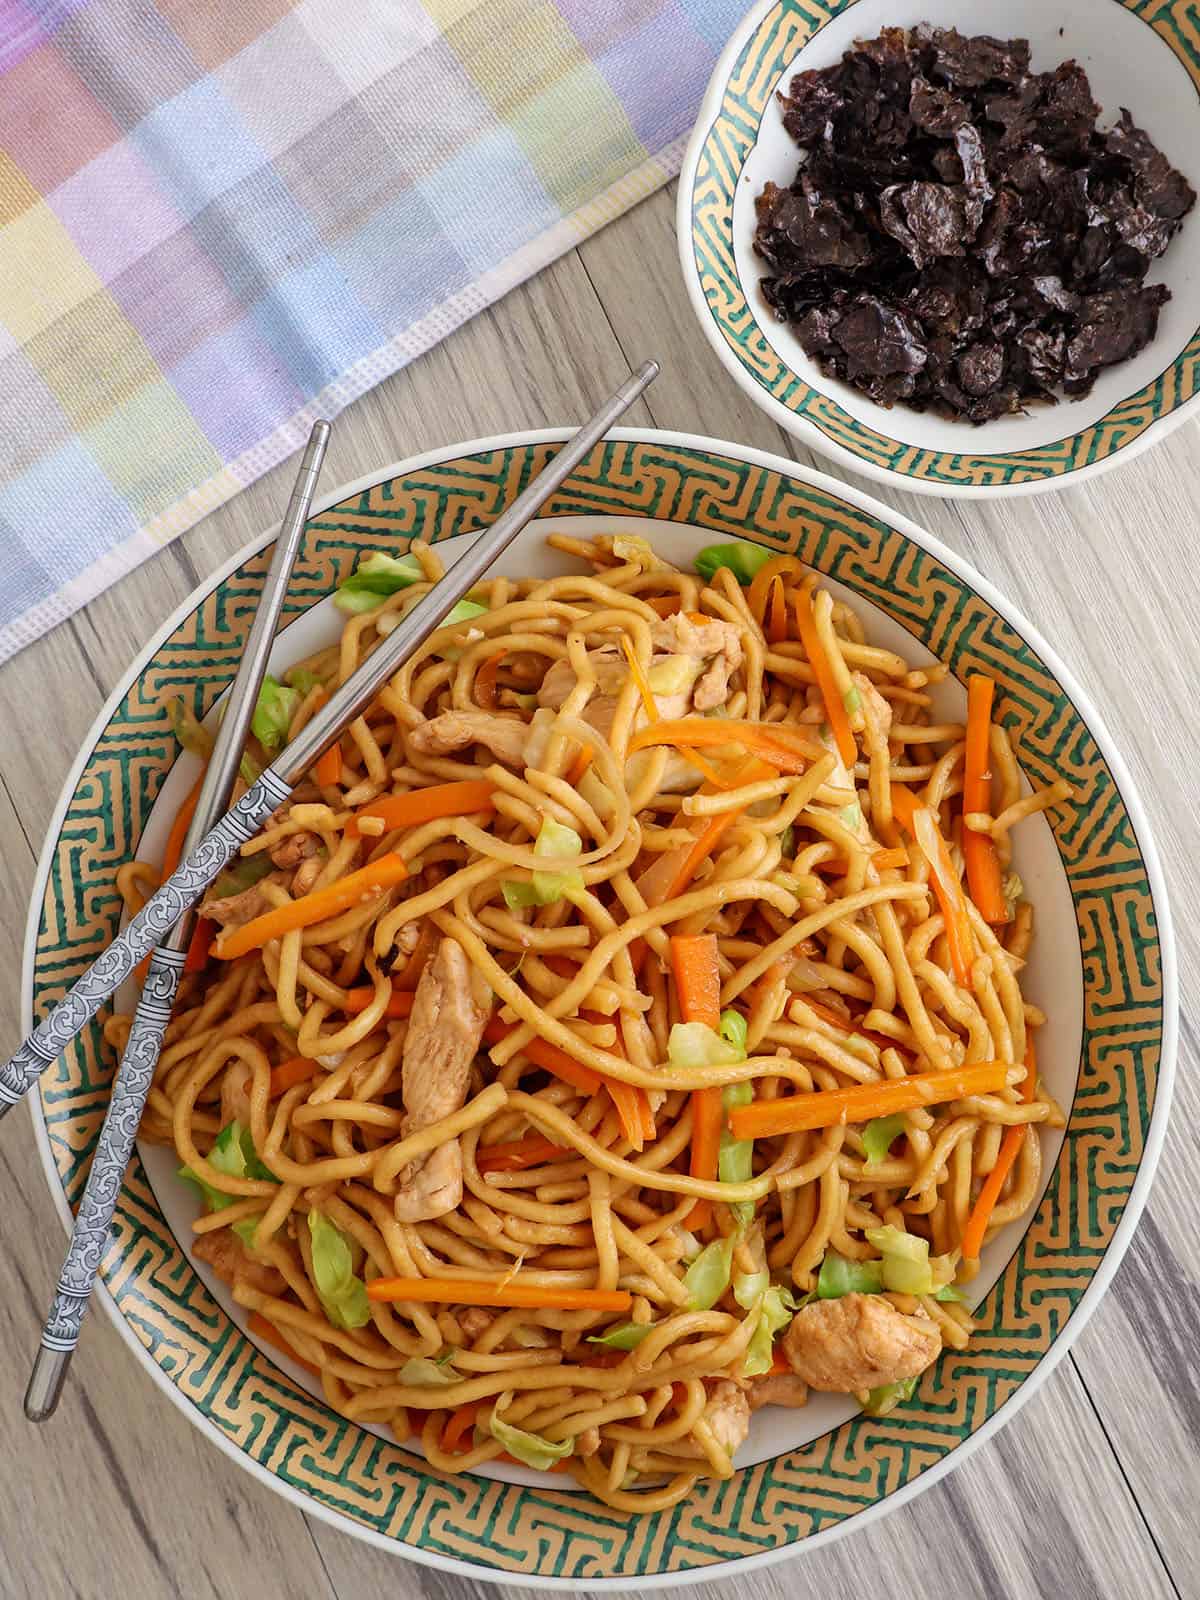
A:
1141,58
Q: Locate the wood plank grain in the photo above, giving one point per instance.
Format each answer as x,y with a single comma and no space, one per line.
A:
1071,1498
118,1493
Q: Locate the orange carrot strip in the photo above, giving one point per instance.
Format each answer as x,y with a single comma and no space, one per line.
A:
708,1116
633,1108
650,707
632,1103
697,978
984,878
839,722
780,1365
649,1131
627,1097
785,750
760,585
667,876
639,677
698,987
881,859
776,626
173,853
457,1426
579,766
905,806
470,1292
322,904
549,1057
327,769
267,1330
946,884
199,946
518,1154
977,1222
400,1004
299,1069
827,1108
427,805
665,604
1010,1147
485,681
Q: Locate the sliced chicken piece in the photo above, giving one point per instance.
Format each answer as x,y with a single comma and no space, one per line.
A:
444,1032
607,663
679,776
235,1095
778,1389
714,642
727,1414
612,674
587,1442
297,847
857,1342
474,1322
230,1260
232,910
517,744
306,876
875,707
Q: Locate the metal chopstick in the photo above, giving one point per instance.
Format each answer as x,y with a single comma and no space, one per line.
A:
93,1222
197,870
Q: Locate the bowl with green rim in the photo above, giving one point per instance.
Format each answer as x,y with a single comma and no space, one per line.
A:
1101,967
1137,55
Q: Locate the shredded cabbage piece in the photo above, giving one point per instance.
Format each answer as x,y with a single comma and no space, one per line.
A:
192,735
544,888
631,547
276,706
888,1396
374,579
531,1448
423,1373
707,1279
695,1044
879,1135
743,560
907,1266
623,1336
674,675
839,1276
343,1295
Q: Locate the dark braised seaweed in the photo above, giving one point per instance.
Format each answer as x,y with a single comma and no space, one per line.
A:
960,235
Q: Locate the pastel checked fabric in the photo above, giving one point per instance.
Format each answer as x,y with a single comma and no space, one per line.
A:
218,222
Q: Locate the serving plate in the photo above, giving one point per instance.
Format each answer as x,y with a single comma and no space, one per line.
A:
1138,53
1102,967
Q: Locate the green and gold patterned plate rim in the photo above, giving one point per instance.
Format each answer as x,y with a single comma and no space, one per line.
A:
763,49
545,1535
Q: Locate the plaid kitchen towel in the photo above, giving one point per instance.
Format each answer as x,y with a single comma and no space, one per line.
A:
219,221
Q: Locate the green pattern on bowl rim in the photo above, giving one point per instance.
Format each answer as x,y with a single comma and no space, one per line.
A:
493,1529
728,130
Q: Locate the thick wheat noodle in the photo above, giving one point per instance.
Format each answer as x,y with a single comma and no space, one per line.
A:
591,1201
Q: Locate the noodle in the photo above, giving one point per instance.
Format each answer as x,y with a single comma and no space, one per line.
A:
494,1079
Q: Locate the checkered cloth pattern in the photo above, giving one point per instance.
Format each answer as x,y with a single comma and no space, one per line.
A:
219,221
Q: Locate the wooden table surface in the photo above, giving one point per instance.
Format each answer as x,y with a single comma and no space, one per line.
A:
1091,1491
